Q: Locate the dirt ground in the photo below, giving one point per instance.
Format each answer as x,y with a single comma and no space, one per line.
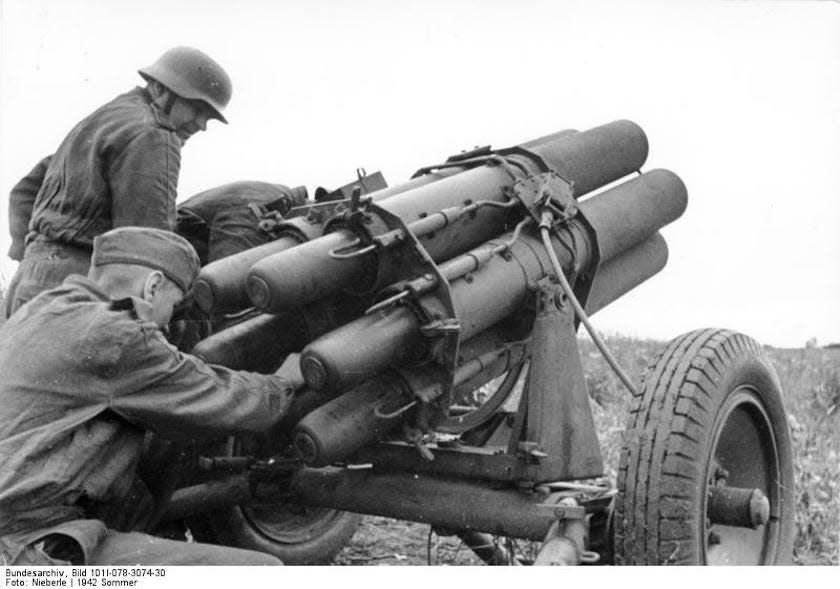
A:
387,542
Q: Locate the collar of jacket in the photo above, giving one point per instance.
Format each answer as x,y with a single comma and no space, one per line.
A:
139,308
160,117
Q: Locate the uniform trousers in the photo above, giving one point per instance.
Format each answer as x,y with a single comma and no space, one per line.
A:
45,265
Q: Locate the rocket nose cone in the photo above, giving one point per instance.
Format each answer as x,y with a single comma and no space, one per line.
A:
258,292
314,371
203,295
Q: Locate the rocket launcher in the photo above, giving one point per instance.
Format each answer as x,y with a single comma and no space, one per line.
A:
404,304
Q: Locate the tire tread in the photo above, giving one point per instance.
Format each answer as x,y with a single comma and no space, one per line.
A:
666,431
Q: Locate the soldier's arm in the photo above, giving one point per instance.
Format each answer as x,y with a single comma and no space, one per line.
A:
21,203
144,181
179,396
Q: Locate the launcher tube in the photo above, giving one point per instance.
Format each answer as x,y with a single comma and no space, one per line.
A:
626,271
221,285
500,287
306,273
371,409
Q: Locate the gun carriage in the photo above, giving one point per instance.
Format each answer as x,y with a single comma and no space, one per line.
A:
437,324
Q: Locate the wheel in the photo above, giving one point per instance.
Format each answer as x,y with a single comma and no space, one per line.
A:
295,534
706,470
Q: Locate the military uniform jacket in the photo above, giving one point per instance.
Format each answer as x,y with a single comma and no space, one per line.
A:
219,222
83,379
119,166
21,202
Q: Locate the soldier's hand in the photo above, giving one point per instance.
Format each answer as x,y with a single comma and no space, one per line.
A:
290,370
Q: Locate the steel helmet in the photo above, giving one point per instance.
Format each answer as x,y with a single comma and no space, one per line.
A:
194,75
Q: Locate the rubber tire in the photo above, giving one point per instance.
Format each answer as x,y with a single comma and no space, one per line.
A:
666,454
230,527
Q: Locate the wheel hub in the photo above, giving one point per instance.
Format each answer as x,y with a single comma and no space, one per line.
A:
732,506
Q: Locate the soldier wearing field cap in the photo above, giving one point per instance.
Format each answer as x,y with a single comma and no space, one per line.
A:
86,374
119,166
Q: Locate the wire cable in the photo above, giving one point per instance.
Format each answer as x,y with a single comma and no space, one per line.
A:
545,224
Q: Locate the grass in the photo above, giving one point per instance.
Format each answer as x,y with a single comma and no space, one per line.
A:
811,386
811,381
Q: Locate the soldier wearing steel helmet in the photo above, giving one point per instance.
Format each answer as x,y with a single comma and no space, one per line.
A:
119,166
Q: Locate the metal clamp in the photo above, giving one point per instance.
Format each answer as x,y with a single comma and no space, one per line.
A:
562,511
440,327
377,410
267,220
490,157
565,542
415,437
349,251
354,219
548,191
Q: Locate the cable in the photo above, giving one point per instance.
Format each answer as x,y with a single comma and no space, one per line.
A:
545,224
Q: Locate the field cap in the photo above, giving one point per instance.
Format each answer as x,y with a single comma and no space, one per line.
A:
145,246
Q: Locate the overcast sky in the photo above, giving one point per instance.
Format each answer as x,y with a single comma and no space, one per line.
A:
741,99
